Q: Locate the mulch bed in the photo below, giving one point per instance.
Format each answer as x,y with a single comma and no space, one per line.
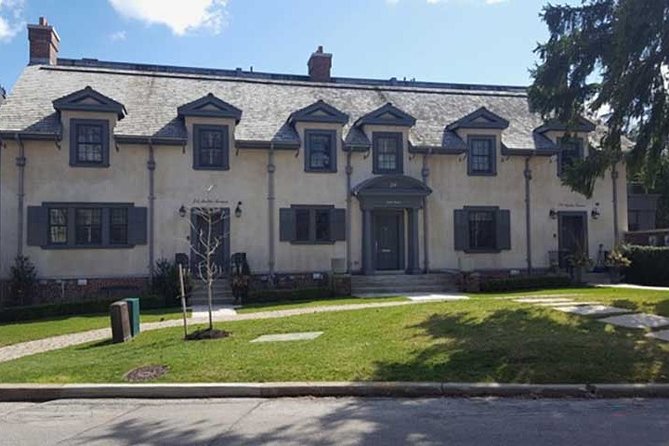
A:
207,334
146,373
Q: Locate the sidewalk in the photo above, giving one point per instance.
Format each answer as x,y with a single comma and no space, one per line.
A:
634,287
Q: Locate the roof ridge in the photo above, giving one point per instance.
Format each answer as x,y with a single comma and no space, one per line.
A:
280,78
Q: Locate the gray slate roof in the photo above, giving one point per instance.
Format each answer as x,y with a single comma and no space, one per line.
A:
152,98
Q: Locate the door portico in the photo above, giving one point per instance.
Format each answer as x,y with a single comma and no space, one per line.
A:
391,203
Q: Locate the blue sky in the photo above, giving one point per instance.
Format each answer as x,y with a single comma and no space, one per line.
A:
470,41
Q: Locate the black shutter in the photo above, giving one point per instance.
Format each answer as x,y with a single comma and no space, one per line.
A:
338,224
38,223
195,147
503,229
461,236
137,226
226,148
286,225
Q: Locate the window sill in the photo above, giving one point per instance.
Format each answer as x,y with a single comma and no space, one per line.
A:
482,174
313,243
93,165
320,170
212,168
482,251
387,172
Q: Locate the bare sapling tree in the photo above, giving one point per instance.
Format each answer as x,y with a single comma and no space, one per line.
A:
205,248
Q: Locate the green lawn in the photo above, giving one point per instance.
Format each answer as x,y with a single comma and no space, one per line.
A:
31,330
274,306
483,339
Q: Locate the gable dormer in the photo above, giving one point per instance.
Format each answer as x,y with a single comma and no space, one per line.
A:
89,100
582,125
319,111
387,115
210,106
88,117
481,118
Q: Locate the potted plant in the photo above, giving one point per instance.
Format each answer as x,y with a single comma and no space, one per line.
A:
578,261
616,262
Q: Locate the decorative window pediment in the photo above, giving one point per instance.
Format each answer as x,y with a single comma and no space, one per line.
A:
387,115
319,111
481,118
210,106
582,125
90,100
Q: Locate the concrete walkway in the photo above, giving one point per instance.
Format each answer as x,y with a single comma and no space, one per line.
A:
16,351
634,287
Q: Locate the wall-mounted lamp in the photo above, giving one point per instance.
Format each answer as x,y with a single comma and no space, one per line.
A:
595,212
238,209
552,214
182,211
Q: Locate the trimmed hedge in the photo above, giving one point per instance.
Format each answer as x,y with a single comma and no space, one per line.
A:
525,283
650,265
18,314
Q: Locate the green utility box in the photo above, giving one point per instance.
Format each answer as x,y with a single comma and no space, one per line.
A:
133,314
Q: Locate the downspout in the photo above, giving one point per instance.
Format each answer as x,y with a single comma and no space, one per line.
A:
270,210
349,171
614,185
528,215
151,166
425,173
21,164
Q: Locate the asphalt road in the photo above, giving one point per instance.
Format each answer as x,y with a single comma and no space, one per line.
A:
336,421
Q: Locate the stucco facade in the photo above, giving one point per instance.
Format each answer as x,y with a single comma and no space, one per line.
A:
151,165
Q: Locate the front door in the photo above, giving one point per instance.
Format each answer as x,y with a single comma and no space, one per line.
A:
209,232
387,240
572,237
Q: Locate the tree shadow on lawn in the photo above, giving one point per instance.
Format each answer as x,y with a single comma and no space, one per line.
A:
528,346
660,308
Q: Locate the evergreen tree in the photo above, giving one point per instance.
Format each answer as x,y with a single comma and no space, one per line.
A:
612,54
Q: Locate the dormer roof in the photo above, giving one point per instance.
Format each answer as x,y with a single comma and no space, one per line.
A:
582,125
210,106
387,114
319,111
481,118
90,100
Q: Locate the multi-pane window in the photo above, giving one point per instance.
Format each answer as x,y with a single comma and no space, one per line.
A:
57,226
571,149
387,153
118,226
89,143
88,226
481,156
320,151
307,224
211,147
482,230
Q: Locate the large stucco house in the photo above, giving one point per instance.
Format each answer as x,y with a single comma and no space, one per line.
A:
101,163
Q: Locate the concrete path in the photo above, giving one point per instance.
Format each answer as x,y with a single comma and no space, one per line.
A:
16,351
336,421
634,287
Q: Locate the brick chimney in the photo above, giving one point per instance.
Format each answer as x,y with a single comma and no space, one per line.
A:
44,43
319,66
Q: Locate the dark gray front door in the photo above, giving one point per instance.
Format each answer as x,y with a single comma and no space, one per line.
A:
387,238
572,237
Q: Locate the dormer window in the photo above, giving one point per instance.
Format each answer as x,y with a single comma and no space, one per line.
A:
387,148
481,158
320,150
571,149
89,143
210,147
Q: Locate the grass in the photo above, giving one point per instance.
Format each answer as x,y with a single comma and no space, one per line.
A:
32,330
483,339
275,306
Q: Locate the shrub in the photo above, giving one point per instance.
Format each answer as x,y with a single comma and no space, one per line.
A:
23,278
525,283
18,314
166,281
650,265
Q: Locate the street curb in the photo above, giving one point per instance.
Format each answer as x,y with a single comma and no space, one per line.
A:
46,392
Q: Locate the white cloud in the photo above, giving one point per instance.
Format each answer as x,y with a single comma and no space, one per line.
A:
11,12
178,15
117,36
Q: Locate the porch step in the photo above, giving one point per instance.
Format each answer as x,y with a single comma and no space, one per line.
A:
221,290
403,284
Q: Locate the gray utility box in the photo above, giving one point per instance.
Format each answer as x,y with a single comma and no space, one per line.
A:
120,322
